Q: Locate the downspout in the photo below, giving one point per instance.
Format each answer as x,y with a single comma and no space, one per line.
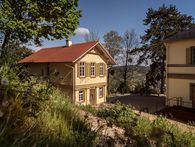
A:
108,80
73,82
166,70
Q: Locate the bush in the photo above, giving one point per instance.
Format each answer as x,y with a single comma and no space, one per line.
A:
123,88
119,114
33,113
88,108
159,132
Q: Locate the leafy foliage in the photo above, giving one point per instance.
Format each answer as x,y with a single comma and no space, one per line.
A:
113,43
14,53
162,24
28,21
119,114
34,113
159,132
88,108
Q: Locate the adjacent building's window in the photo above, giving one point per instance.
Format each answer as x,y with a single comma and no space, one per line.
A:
101,92
101,69
92,71
193,55
81,96
82,69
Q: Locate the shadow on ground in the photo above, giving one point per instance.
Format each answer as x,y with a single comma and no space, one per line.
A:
149,104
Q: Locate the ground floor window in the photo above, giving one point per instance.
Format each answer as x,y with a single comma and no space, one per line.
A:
101,92
81,95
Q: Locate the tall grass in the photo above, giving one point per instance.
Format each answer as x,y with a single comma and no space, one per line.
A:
38,114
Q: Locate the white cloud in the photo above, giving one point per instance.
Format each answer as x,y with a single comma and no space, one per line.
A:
82,31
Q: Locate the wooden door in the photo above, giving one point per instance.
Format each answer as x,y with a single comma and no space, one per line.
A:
192,89
92,98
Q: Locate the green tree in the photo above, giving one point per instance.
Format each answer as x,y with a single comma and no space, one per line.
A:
113,43
130,41
15,52
162,24
31,21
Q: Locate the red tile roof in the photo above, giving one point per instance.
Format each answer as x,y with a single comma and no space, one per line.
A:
60,54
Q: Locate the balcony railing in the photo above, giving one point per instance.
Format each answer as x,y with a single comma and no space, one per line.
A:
178,101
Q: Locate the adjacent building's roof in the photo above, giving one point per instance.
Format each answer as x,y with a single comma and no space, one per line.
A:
186,34
65,54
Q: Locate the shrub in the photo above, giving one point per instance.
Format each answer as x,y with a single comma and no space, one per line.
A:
37,114
88,108
159,132
170,134
143,127
119,114
123,88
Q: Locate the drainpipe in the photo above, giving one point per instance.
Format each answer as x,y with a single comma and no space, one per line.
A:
73,81
166,79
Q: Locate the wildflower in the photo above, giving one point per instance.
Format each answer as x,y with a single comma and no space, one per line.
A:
1,113
4,82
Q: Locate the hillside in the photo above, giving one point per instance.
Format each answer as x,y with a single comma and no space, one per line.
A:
136,75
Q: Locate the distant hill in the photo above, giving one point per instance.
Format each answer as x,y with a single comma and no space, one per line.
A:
136,75
138,68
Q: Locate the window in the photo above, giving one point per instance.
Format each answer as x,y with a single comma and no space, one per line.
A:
101,92
48,69
81,96
82,69
101,69
92,71
193,55
45,70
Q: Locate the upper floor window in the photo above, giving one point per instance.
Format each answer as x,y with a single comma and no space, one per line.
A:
92,71
101,69
82,69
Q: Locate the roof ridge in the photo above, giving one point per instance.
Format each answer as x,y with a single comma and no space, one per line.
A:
71,45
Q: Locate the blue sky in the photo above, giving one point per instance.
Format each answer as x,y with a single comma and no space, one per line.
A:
104,15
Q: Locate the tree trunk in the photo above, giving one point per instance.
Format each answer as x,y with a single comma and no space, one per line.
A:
125,72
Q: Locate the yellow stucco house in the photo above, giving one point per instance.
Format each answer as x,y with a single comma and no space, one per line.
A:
181,69
81,69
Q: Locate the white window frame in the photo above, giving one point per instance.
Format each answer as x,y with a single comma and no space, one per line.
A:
101,92
81,96
82,69
92,69
102,69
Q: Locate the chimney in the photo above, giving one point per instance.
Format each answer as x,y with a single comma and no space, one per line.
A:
68,42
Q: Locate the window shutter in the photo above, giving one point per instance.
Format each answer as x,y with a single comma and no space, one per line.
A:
97,68
78,69
87,69
188,56
84,95
103,89
105,70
